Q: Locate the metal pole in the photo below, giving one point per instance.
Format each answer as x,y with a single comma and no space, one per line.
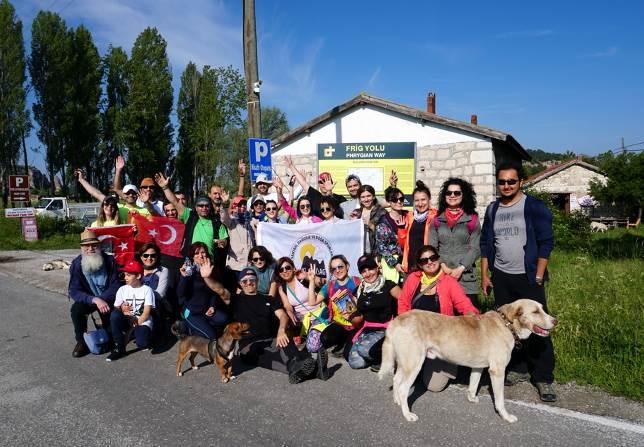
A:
251,71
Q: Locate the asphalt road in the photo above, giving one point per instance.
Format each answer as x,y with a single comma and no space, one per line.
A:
49,398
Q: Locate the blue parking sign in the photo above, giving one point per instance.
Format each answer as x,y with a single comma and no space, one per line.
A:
259,154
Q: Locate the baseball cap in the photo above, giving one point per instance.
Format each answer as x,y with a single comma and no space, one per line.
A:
130,187
110,200
262,178
366,261
246,272
132,267
259,199
236,201
147,181
88,237
351,177
201,200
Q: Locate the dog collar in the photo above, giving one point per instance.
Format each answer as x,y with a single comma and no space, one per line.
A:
508,324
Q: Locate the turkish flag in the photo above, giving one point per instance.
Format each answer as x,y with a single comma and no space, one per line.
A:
117,240
167,233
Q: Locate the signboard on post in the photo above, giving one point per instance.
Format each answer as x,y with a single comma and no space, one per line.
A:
18,183
19,196
29,228
372,162
259,155
19,212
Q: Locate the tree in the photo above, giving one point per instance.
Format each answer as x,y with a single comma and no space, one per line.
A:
625,185
186,112
112,143
48,67
14,117
83,80
146,117
274,122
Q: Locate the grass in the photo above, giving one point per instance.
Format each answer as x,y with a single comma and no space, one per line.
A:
53,235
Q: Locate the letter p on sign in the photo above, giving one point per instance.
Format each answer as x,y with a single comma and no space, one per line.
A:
19,182
259,154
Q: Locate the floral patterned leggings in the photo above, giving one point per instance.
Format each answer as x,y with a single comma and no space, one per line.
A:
367,350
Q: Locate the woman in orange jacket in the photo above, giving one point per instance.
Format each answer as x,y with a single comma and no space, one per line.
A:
417,227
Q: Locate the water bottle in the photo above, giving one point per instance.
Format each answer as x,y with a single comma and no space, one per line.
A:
188,267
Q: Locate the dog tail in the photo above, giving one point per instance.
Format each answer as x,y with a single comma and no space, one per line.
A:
388,358
178,329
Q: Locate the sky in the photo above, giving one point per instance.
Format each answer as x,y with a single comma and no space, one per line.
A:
558,76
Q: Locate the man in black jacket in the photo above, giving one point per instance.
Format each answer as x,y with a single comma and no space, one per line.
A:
93,282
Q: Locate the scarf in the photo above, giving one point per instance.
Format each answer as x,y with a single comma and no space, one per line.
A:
453,216
376,286
420,217
430,281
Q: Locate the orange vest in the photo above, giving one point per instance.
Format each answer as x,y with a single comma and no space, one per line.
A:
410,220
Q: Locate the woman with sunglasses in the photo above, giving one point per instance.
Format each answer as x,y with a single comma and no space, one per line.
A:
417,225
370,212
391,233
376,302
339,286
156,277
271,213
203,299
327,210
108,214
262,262
303,212
295,298
430,289
456,233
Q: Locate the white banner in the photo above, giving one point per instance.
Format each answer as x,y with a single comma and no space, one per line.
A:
314,244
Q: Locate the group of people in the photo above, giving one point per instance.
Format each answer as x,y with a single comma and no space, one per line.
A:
423,258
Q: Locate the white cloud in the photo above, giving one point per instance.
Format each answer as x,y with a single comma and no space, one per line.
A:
525,34
372,80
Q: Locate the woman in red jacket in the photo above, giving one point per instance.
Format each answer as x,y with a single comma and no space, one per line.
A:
429,289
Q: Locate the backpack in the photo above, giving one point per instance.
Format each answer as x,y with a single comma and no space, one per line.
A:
98,340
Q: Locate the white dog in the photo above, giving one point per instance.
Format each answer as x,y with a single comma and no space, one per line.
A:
598,227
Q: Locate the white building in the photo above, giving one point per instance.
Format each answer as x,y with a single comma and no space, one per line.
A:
445,147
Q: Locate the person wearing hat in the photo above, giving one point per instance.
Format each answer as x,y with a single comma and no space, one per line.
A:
242,236
326,185
145,190
108,214
93,283
132,312
262,346
202,224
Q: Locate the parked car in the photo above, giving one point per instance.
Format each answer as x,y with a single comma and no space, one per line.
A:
59,207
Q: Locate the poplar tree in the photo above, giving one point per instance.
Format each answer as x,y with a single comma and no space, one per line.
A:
185,168
146,117
14,117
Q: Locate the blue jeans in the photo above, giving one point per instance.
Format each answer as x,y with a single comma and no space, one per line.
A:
204,326
120,324
367,349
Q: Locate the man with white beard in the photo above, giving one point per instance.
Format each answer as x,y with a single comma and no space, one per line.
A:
93,282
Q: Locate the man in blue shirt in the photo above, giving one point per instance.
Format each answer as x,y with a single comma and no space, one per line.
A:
93,282
516,241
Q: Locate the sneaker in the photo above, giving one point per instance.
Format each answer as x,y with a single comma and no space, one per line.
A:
322,362
80,350
375,368
546,392
337,352
300,370
115,355
514,377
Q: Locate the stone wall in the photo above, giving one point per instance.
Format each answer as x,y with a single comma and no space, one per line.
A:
472,161
307,164
575,180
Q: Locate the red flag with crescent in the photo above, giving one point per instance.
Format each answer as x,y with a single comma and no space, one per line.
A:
167,233
117,240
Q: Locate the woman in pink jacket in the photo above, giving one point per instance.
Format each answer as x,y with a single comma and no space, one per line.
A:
428,288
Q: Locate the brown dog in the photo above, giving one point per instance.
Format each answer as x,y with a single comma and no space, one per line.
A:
220,351
481,341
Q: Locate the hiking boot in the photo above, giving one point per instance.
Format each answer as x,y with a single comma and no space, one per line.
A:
337,352
514,377
322,361
115,355
546,392
80,350
375,368
300,370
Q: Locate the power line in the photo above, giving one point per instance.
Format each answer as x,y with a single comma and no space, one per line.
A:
621,148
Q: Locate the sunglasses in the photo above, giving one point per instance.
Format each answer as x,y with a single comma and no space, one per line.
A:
454,193
148,255
260,259
146,187
131,193
338,267
326,209
510,182
425,261
202,205
271,208
248,281
400,199
285,268
305,206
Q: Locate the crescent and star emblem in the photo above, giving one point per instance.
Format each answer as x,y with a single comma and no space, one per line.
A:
173,235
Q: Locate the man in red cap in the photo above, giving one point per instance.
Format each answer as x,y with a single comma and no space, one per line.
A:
132,312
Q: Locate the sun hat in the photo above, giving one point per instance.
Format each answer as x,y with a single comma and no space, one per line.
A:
88,237
262,178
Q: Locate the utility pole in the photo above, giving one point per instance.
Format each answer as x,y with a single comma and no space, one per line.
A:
251,72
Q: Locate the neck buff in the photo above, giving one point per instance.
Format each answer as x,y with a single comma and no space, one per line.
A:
420,217
452,216
373,287
430,281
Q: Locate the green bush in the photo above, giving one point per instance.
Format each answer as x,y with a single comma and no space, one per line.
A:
50,226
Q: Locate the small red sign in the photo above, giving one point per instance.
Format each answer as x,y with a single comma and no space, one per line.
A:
19,196
19,183
29,228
